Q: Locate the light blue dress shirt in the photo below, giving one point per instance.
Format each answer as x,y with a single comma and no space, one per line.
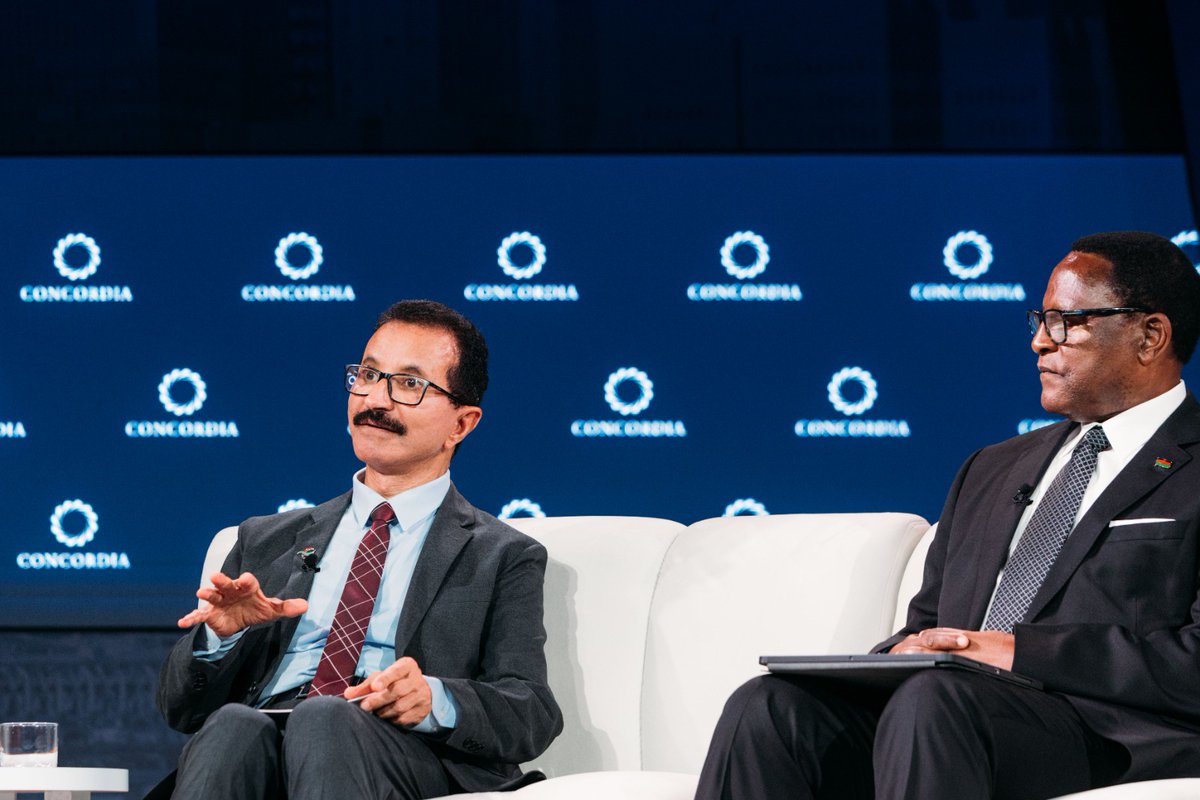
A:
414,509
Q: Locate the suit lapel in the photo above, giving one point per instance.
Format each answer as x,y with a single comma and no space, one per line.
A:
316,533
449,533
1005,513
1139,478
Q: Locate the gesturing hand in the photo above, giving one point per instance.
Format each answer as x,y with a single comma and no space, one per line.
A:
403,694
234,604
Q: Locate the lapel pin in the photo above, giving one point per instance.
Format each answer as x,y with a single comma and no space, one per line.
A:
308,560
1163,463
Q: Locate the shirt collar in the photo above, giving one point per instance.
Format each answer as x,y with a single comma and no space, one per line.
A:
410,506
1131,429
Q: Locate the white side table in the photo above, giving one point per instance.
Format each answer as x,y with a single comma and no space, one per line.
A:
61,783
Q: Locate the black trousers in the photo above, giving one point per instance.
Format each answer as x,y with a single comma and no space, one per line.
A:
941,734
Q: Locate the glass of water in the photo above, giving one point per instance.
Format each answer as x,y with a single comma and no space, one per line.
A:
29,744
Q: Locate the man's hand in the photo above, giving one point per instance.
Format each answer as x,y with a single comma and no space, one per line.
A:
990,647
234,604
403,695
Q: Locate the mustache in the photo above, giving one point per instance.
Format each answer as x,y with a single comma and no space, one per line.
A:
376,417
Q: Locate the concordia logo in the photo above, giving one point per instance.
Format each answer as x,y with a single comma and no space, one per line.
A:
299,256
168,395
521,507
746,507
531,253
633,428
1027,425
868,393
743,268
1189,242
968,255
76,257
12,429
73,515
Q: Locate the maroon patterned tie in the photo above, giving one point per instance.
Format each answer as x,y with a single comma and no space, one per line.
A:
349,629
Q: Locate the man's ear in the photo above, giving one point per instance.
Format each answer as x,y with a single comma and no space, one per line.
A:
1156,338
468,417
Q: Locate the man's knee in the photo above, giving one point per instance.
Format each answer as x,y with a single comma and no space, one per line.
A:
234,754
935,699
319,724
241,723
336,749
770,693
774,706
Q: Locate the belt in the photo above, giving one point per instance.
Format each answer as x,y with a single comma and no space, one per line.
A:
292,697
288,699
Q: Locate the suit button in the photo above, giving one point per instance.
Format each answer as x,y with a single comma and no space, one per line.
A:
252,691
199,682
472,746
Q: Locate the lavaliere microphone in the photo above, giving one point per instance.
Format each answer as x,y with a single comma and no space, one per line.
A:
308,559
1023,495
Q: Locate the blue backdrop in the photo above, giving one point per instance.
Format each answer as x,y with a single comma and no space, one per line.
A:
670,336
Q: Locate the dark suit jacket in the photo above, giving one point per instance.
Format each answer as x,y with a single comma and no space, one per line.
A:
1115,626
472,617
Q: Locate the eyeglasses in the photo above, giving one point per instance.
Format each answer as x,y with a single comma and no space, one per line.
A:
407,390
1055,319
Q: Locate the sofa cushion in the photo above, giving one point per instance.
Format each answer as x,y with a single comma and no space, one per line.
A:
625,785
735,588
599,582
910,583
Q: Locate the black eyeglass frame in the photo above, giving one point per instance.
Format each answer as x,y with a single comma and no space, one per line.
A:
352,371
1037,317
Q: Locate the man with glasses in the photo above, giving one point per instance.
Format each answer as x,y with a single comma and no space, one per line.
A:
1070,554
401,625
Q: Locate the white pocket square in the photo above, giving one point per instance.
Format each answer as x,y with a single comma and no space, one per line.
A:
1117,523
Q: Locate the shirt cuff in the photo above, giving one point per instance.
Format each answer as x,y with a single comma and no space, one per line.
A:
215,647
443,715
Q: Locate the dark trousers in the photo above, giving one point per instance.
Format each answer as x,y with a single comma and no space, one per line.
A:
941,734
331,750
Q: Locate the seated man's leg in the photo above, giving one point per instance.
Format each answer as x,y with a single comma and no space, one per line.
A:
334,750
234,755
791,738
946,733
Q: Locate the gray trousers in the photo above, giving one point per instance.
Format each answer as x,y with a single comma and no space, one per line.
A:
331,750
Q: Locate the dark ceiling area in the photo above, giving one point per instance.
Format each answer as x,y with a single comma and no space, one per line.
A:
505,76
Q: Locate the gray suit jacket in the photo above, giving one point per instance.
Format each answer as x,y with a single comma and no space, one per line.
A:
472,617
1115,626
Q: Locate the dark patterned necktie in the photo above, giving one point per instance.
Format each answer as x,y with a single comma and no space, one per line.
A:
1044,536
349,628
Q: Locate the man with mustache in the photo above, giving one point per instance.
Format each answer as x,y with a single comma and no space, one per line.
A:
401,624
1087,579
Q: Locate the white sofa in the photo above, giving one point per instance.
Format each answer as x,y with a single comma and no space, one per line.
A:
652,624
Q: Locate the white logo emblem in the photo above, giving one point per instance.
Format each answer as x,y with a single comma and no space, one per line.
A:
309,243
198,397
76,240
860,375
972,239
763,255
92,523
747,506
292,505
522,505
504,255
645,395
1185,238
